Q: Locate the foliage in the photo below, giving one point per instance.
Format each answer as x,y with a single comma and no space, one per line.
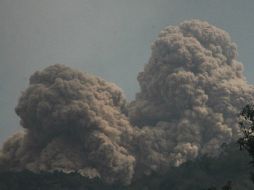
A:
199,174
247,127
51,181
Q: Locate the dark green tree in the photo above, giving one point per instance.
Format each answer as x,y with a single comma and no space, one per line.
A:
246,122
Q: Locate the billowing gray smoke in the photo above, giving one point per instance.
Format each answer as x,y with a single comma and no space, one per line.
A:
192,90
73,122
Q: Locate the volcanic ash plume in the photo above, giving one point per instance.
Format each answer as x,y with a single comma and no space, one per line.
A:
74,122
192,90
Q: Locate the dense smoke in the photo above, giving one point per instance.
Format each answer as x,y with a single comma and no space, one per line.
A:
73,122
192,90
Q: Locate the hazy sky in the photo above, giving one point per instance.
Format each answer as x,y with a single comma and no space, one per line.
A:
109,38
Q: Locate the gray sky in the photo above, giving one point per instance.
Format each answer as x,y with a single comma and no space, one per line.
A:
109,38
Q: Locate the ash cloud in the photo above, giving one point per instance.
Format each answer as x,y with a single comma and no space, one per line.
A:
192,90
74,122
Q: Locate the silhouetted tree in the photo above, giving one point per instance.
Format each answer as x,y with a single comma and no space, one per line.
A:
247,127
